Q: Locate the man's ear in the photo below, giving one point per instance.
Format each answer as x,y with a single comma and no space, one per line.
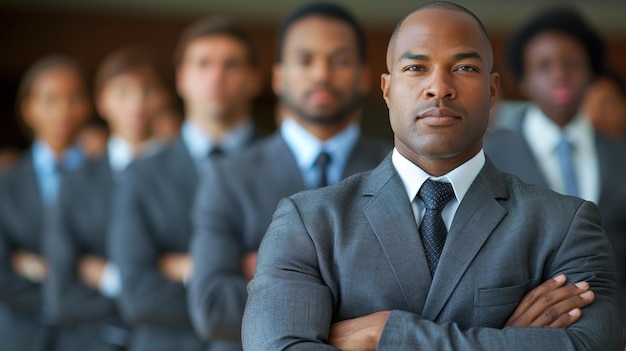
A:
25,112
385,79
494,86
179,82
277,79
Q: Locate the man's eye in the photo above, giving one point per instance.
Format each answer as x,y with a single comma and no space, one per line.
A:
414,69
468,69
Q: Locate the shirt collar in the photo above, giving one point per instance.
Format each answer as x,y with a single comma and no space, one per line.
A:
199,143
306,147
121,153
461,177
579,131
46,161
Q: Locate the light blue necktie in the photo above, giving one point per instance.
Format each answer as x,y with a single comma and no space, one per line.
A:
564,151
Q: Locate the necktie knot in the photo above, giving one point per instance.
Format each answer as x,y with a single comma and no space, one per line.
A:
216,151
436,194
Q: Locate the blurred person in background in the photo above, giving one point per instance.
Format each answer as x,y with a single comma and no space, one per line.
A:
555,57
321,77
93,137
53,103
217,78
82,283
166,124
8,157
605,104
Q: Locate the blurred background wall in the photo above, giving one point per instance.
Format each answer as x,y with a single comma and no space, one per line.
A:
90,29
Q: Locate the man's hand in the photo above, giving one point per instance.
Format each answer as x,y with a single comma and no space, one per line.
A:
248,265
90,270
176,267
360,333
552,304
29,265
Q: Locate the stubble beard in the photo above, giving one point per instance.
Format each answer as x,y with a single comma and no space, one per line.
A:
325,119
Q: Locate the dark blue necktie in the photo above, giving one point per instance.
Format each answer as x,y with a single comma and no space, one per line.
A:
564,151
215,152
321,164
432,229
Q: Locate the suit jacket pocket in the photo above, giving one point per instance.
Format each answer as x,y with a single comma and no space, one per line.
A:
502,295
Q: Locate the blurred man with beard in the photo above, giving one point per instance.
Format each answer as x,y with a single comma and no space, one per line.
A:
321,77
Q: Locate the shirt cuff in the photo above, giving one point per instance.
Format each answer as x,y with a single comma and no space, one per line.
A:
110,283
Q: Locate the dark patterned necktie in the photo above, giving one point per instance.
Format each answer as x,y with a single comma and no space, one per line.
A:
321,164
432,229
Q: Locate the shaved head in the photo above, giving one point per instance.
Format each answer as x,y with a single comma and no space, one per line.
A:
440,5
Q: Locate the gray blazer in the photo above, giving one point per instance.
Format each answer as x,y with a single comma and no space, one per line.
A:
234,207
21,218
79,226
509,151
353,249
152,215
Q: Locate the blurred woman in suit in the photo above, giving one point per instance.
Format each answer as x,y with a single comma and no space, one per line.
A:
52,102
82,285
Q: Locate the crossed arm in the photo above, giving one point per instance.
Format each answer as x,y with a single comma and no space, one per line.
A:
291,304
551,304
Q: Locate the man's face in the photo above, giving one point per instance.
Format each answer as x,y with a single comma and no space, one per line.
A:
439,88
129,102
216,77
556,73
320,79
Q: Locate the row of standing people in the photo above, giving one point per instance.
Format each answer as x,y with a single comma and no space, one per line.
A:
119,243
105,263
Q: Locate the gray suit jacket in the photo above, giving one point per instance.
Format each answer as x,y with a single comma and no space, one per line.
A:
152,216
509,151
354,249
21,218
234,207
79,226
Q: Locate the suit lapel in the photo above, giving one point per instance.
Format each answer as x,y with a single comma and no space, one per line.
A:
477,216
30,210
611,166
182,165
524,157
288,175
391,217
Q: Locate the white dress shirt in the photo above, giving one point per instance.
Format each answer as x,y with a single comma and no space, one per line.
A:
461,179
306,147
543,136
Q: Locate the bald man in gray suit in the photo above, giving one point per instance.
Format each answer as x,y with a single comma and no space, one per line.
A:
353,266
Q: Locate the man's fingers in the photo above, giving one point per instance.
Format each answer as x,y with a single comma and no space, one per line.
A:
551,304
547,309
533,295
563,309
566,319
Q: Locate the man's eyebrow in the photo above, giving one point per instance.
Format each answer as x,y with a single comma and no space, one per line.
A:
414,57
460,56
468,55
